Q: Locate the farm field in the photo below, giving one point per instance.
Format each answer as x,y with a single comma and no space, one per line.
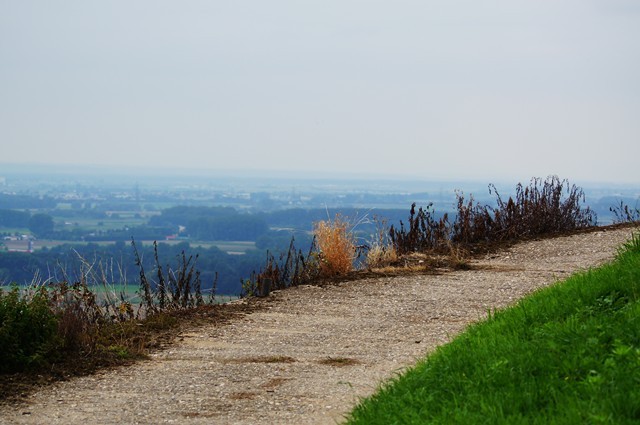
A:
230,247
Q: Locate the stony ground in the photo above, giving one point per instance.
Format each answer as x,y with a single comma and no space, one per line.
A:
310,353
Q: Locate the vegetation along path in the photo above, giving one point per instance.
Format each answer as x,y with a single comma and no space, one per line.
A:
307,354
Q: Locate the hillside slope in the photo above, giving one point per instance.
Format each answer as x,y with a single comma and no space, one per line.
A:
309,353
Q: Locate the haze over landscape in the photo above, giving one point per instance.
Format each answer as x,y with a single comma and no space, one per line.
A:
280,205
232,127
414,89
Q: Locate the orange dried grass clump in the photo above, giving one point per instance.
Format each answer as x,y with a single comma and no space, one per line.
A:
336,246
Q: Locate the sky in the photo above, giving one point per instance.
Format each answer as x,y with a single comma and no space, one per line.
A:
448,89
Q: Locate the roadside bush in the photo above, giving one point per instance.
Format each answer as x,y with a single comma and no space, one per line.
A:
336,247
544,207
332,252
52,322
423,233
290,268
79,315
28,330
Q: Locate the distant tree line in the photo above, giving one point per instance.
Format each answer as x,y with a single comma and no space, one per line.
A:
21,202
63,262
213,223
182,215
14,218
225,223
39,224
364,219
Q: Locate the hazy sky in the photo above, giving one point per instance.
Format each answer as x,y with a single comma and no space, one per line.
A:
447,89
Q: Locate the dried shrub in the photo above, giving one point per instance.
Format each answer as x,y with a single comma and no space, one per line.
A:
175,289
379,256
424,233
336,247
292,268
552,206
473,223
380,252
79,316
457,258
623,213
545,207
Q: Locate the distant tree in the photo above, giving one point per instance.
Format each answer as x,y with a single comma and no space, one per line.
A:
8,201
181,215
14,218
41,225
241,227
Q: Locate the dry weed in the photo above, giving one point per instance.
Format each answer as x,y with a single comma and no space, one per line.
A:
336,246
380,256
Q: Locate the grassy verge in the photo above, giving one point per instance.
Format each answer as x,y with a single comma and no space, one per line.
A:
568,354
51,351
52,330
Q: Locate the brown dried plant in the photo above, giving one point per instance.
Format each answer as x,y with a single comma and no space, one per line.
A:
544,207
336,246
623,213
381,252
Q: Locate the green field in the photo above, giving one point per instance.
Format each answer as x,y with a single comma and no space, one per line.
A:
568,354
232,247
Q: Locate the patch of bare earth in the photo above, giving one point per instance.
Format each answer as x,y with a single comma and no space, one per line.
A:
310,353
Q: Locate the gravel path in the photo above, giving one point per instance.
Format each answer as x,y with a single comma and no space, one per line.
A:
310,353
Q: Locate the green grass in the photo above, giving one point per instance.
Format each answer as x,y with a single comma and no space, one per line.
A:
567,354
28,330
